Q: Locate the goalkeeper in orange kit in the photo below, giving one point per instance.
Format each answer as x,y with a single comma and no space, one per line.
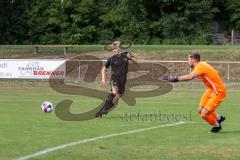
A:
213,95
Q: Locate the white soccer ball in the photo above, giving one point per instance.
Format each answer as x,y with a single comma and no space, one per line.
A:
47,107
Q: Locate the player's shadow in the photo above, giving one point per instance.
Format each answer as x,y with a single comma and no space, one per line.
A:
230,132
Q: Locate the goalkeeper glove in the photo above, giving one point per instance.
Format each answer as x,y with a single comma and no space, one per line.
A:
170,78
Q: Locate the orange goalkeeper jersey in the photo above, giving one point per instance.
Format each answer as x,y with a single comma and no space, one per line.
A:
209,76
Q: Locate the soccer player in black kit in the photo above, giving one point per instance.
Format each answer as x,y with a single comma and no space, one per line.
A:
119,69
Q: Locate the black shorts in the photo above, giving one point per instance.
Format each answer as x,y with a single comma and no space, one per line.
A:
120,85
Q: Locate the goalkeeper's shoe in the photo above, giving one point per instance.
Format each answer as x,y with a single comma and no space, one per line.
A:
216,129
222,118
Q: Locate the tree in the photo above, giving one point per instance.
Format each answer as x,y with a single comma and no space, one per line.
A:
12,21
234,10
98,21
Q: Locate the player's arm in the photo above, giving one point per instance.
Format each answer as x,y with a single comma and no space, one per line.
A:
103,75
132,57
185,77
104,71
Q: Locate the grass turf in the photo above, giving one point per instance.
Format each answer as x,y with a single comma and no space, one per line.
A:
166,52
24,129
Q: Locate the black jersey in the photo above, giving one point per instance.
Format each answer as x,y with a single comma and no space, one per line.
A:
119,67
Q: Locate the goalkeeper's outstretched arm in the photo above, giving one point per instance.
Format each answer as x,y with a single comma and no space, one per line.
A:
185,77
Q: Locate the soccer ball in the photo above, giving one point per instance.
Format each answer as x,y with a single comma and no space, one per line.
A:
47,107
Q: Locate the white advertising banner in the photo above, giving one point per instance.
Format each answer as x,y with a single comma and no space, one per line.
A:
32,68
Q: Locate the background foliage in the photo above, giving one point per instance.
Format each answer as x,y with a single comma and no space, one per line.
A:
98,21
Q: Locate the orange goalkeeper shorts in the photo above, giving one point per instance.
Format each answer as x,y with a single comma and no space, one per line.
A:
210,100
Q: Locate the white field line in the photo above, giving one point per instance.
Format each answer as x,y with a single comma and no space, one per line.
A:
48,150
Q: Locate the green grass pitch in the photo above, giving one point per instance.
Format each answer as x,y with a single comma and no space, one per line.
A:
25,129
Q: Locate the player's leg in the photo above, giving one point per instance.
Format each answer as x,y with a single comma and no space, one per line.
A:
220,118
221,97
210,117
107,105
114,97
209,112
117,91
111,100
204,99
205,114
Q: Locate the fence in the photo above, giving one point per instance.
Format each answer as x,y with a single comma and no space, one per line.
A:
89,70
232,38
230,71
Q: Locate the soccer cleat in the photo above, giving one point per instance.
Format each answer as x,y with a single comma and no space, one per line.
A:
104,111
221,119
215,129
101,113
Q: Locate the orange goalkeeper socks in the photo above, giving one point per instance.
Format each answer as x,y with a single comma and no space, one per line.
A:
211,118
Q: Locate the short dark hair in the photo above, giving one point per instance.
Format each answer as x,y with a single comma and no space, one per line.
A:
195,56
